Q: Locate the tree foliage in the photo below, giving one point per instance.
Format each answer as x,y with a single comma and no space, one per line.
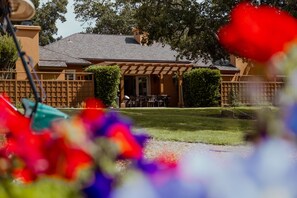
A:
106,17
188,26
8,53
47,15
287,5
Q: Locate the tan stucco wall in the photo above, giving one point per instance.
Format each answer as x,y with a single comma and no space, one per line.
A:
246,67
59,74
28,37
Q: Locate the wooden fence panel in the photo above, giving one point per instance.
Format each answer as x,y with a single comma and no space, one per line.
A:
249,93
70,93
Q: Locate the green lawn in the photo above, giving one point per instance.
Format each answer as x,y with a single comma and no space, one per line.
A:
205,125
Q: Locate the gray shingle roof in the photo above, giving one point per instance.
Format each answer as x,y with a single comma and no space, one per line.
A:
219,67
48,56
202,63
222,66
112,47
227,68
52,64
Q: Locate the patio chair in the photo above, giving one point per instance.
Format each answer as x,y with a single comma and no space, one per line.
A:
165,99
151,100
160,101
131,102
126,100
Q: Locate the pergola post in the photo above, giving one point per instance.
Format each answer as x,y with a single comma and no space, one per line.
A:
180,90
122,92
161,84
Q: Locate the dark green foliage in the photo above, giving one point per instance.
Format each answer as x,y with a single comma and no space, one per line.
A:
190,26
107,80
47,15
106,17
201,87
8,53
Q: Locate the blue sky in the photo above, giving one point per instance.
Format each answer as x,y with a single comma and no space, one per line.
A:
71,26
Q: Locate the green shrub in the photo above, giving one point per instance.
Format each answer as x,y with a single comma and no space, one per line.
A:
107,80
8,53
201,87
233,99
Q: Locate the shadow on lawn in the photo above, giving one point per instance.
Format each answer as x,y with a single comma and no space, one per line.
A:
191,120
192,123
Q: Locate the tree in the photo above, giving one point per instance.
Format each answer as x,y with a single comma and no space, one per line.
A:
287,5
190,26
106,17
47,14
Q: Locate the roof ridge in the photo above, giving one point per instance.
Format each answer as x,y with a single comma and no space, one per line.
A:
103,34
59,40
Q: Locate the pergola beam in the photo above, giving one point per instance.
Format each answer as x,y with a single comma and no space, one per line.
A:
130,68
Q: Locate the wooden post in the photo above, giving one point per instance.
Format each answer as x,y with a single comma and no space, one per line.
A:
161,84
67,95
15,91
40,90
122,92
180,90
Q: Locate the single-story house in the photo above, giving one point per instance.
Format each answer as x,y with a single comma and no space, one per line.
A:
147,70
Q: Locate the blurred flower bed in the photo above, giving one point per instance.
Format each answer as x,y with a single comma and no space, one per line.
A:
82,156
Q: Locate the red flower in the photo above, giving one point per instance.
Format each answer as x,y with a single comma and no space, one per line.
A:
29,148
129,148
24,174
93,111
65,160
11,119
42,154
258,32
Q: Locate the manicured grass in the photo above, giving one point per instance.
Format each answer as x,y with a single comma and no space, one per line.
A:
203,125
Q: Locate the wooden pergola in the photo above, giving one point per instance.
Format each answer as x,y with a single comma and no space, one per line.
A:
160,69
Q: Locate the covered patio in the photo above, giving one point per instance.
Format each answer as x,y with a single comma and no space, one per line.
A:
151,84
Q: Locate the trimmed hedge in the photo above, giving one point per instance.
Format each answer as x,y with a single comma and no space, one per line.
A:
201,87
107,80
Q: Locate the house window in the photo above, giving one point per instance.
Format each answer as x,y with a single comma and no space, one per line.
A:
70,74
143,86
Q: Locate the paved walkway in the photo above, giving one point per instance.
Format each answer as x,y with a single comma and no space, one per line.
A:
155,148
